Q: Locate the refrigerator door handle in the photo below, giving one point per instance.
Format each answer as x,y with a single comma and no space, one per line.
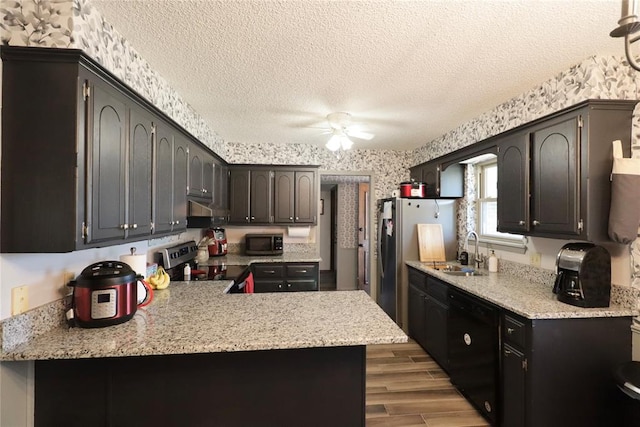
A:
380,263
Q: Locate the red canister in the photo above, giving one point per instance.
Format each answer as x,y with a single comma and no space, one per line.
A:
413,190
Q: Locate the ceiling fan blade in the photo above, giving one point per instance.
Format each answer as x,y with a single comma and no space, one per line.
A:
360,134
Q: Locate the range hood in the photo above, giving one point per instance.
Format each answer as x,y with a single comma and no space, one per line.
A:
198,209
202,216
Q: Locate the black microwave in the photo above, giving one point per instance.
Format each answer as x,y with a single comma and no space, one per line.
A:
263,244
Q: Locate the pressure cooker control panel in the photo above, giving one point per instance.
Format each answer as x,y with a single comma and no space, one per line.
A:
103,303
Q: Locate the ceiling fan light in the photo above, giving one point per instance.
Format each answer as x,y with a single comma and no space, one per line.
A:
346,143
334,143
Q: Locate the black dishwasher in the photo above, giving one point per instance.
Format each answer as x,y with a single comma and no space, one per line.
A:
474,350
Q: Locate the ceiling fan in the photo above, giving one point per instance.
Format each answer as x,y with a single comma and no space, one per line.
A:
340,131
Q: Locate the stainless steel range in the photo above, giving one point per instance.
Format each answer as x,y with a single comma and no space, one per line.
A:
174,258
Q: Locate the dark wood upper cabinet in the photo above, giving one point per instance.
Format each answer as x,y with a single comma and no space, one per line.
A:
284,185
275,194
239,182
261,197
295,197
111,166
305,197
554,178
250,196
180,182
163,171
513,184
107,146
443,181
200,174
139,208
553,173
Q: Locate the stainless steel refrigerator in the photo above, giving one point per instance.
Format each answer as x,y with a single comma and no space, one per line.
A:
398,242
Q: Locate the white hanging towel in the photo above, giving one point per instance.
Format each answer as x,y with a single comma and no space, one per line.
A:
624,212
386,210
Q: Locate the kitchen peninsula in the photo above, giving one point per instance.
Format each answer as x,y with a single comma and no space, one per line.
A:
196,356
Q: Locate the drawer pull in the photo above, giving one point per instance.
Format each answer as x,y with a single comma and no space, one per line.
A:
270,271
510,331
302,271
507,352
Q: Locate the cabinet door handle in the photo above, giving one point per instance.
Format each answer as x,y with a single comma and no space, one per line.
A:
253,218
507,352
134,226
124,226
536,222
290,218
204,190
280,286
521,223
288,285
246,218
510,331
297,218
178,222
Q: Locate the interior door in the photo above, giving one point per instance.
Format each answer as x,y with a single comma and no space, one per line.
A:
363,237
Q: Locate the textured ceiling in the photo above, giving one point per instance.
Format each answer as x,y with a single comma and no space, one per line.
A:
407,71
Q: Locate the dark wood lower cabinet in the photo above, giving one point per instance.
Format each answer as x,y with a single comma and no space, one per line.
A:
559,372
552,372
289,276
311,387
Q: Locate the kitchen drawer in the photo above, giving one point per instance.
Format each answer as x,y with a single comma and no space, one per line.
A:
438,290
301,285
302,270
261,286
513,331
418,279
268,271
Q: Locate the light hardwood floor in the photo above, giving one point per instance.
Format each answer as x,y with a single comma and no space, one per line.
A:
405,387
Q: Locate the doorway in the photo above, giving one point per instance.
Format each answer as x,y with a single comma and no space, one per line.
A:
344,231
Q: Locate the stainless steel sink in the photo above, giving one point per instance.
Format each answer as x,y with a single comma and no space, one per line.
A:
462,273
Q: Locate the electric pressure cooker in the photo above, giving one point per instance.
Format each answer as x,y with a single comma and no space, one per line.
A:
104,294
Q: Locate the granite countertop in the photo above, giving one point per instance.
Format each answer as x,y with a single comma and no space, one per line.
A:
196,317
235,259
520,295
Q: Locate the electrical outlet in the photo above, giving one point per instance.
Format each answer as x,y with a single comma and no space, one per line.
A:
19,300
534,259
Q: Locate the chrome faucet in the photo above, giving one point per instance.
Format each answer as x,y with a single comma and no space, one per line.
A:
477,258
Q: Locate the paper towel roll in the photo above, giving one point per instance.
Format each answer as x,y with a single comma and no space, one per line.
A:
299,231
137,262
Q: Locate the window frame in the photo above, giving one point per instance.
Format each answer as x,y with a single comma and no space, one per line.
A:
504,241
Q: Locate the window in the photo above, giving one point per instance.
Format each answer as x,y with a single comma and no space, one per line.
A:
487,209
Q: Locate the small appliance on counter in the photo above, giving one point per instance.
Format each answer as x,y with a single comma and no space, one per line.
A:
413,190
104,294
263,244
217,241
583,275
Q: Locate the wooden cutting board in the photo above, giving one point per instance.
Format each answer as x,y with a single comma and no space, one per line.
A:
431,243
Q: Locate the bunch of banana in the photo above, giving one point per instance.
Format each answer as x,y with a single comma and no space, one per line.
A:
160,280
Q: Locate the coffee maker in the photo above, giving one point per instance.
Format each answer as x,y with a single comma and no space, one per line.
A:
217,241
583,275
